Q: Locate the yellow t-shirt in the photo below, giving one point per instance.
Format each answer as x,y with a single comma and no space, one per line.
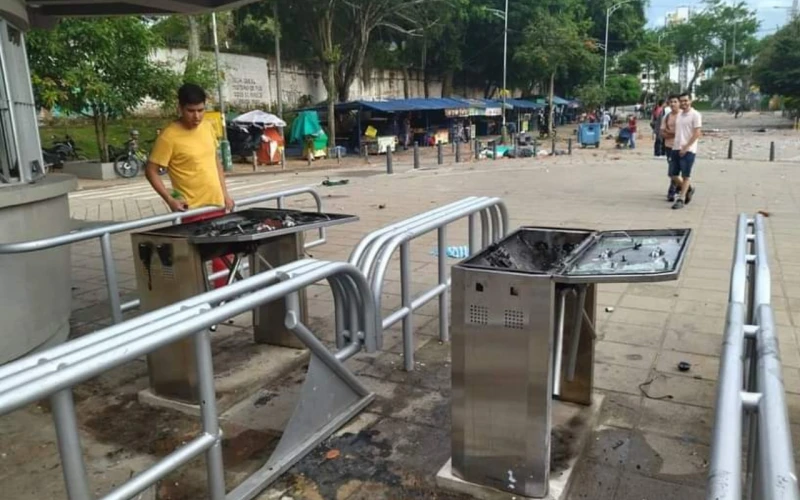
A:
190,157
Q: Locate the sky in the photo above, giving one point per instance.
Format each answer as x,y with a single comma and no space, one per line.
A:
769,16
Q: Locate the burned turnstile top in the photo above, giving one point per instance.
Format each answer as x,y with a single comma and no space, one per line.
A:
582,256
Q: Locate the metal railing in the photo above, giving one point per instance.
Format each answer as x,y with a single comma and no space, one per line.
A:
331,394
750,392
103,233
374,252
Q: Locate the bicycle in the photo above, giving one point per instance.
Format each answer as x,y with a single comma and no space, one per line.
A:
128,164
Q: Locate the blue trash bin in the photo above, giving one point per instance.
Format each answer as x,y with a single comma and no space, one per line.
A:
589,134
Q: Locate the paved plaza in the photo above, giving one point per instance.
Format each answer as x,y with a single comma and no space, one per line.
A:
653,438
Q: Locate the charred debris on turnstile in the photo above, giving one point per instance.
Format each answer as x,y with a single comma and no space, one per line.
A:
579,252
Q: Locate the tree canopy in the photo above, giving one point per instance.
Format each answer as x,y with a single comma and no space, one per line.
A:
777,68
99,68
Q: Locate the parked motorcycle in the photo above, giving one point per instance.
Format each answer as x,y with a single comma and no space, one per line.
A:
66,150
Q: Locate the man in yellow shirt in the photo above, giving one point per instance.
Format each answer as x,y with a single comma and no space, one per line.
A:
187,149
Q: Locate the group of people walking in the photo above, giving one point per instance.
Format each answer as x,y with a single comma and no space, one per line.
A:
677,127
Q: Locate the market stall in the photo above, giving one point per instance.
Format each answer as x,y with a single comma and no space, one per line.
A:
270,141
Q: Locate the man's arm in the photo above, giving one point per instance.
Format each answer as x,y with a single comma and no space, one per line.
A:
697,124
228,200
151,172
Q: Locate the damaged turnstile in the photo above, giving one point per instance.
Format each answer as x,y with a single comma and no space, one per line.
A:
523,320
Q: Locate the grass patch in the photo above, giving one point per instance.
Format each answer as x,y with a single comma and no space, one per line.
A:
82,132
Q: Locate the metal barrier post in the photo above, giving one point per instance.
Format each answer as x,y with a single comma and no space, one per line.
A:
458,151
444,297
772,151
111,277
553,145
494,150
535,148
477,149
405,296
440,153
416,155
730,149
389,166
471,236
208,412
69,446
569,146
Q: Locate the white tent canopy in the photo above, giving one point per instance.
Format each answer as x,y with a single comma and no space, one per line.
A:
258,117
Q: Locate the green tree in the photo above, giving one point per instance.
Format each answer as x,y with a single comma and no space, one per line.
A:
702,37
99,68
554,42
622,90
591,95
776,70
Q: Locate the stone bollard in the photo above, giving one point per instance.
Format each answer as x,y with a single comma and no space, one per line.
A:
458,151
440,153
535,148
553,145
389,166
772,151
730,149
416,155
477,149
338,156
569,146
494,150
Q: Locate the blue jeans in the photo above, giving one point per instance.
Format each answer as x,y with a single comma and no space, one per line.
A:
632,142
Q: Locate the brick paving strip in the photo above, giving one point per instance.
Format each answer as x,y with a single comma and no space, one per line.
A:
653,438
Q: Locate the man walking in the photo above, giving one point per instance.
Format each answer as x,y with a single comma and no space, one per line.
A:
655,125
187,149
687,132
667,132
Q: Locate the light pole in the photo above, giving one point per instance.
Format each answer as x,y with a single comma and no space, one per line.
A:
610,11
504,130
224,145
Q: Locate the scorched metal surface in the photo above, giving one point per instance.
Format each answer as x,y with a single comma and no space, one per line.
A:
252,225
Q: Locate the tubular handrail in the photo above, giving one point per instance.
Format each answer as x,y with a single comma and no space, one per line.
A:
104,233
52,373
750,391
373,255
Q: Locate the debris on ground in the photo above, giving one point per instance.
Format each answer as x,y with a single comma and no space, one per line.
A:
609,309
684,366
763,212
381,206
332,454
341,182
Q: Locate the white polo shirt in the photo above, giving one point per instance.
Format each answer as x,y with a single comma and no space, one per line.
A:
685,124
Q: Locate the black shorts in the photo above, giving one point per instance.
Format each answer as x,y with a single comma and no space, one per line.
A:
681,165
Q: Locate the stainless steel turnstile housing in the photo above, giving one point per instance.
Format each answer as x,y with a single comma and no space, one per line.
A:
517,307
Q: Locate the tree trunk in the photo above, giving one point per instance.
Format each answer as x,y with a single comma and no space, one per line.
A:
103,150
406,83
194,39
426,81
552,92
104,133
699,69
447,83
331,86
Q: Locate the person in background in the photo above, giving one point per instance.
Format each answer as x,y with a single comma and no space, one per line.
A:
606,121
688,125
632,130
187,148
655,125
667,132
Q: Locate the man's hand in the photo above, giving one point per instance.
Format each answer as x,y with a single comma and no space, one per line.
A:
229,203
177,205
682,152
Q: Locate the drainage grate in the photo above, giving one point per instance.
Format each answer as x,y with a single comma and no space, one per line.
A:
514,319
478,315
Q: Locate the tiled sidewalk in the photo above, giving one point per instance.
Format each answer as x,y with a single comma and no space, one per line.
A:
655,426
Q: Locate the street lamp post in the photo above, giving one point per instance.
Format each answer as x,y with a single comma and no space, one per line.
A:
610,11
224,145
504,130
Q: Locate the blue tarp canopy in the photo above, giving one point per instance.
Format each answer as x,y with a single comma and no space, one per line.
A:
558,101
524,104
404,105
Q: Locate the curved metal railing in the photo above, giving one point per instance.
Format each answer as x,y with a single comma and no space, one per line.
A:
750,392
103,233
53,372
374,252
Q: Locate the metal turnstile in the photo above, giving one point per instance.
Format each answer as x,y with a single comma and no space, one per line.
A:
172,265
523,315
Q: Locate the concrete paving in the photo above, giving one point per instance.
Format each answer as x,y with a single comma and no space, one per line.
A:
652,441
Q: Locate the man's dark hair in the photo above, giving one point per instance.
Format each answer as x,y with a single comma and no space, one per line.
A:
190,94
672,96
685,93
661,102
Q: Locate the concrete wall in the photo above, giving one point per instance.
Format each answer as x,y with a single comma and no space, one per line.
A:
251,81
36,289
